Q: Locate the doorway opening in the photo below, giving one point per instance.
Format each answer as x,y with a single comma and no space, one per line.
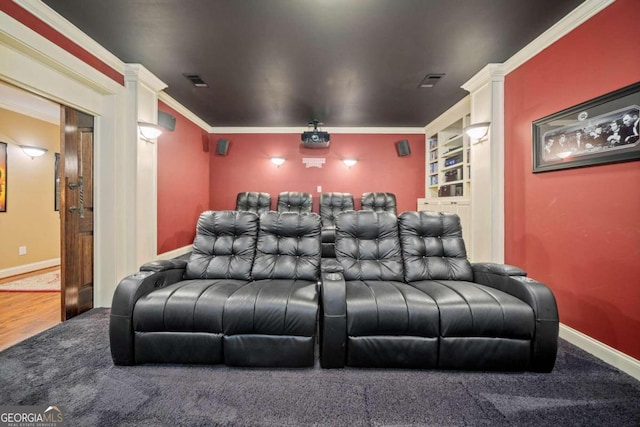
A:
34,236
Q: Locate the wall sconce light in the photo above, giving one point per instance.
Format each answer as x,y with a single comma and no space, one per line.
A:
349,162
32,151
278,161
149,131
477,131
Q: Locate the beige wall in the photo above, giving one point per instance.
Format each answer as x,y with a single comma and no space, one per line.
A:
30,219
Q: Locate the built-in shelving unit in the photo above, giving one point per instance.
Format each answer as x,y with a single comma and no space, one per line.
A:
448,167
448,162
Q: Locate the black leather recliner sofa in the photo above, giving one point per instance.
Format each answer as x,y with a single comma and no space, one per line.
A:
246,296
253,201
294,201
331,205
401,293
379,202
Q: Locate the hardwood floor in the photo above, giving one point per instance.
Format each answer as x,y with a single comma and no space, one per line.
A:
24,314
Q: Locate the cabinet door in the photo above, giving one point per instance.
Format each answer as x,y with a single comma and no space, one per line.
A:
428,205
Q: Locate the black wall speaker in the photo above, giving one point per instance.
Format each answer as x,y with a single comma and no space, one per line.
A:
167,121
222,147
403,148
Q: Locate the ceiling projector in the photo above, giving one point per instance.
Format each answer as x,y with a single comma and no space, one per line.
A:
315,138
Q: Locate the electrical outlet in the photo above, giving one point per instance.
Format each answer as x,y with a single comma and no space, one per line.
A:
319,188
22,250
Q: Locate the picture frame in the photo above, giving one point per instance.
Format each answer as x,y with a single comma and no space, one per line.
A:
600,131
56,182
3,176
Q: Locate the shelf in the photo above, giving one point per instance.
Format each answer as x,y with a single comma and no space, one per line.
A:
451,153
454,166
446,146
457,138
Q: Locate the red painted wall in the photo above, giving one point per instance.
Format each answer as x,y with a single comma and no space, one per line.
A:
183,181
247,167
578,230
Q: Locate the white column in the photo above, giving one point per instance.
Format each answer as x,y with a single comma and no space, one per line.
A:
487,171
140,162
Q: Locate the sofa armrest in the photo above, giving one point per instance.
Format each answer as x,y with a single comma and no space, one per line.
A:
164,265
498,269
331,265
129,290
541,300
333,320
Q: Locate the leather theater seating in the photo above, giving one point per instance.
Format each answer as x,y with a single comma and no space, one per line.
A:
401,293
253,201
379,202
246,296
331,205
294,201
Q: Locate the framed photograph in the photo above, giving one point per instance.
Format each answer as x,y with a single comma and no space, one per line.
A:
56,182
602,130
3,176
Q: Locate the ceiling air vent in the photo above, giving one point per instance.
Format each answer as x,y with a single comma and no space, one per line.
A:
196,80
431,80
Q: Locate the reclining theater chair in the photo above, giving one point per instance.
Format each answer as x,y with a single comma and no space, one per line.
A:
294,201
253,201
332,204
379,202
246,296
408,297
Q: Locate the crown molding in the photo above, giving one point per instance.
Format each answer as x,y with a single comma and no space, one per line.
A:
455,112
164,97
497,72
67,29
336,130
490,73
567,24
137,72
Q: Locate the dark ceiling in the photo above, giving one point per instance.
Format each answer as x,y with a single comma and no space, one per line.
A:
285,62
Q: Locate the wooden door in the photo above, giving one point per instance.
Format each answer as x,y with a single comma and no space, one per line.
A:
76,212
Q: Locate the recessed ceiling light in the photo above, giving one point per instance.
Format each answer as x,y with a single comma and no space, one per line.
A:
430,80
196,80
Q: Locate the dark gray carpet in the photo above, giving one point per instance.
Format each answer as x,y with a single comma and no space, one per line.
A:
70,366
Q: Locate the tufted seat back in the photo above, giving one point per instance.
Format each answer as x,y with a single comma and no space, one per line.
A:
288,246
331,204
368,246
224,246
379,202
432,247
253,201
294,201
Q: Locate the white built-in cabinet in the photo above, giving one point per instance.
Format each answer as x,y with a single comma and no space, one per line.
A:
448,167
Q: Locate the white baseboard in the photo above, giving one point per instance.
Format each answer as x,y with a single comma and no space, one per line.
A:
28,268
176,252
602,351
